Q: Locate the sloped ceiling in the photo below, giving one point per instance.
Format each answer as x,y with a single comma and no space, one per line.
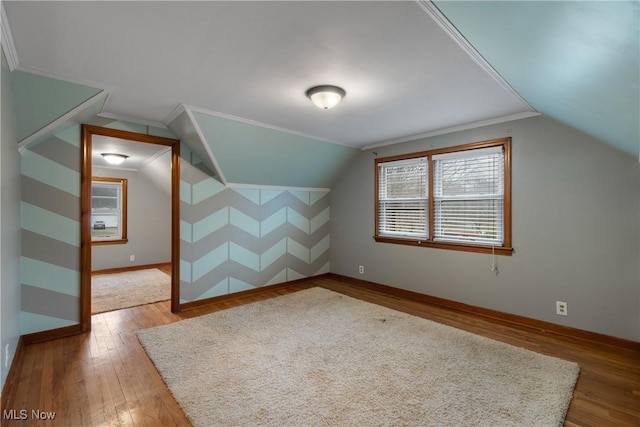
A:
270,156
139,154
409,69
576,61
403,74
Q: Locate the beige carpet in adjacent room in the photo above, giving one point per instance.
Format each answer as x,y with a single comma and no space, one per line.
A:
320,358
128,289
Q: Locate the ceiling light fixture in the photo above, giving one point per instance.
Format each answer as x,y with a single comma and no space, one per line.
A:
114,159
326,96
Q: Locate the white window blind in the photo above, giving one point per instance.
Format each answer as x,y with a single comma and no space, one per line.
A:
469,196
106,210
402,198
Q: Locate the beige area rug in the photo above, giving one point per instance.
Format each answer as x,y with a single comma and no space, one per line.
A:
121,290
320,358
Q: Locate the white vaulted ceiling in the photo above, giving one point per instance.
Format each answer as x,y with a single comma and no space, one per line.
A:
404,75
229,78
139,154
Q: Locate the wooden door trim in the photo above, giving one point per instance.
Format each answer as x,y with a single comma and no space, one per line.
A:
85,213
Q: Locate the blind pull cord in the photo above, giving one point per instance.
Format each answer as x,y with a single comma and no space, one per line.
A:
494,264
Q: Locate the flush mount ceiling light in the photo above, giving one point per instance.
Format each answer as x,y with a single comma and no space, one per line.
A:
114,159
326,96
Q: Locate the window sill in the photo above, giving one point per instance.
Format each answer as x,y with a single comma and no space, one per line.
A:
110,242
498,250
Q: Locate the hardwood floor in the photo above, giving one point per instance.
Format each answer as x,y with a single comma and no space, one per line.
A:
104,378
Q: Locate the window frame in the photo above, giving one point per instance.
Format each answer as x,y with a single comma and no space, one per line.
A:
123,210
504,249
419,200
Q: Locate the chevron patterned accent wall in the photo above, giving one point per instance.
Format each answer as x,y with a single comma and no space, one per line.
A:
50,221
234,239
231,239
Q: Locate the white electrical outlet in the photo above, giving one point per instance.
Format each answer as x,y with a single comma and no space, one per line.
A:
132,258
561,308
361,269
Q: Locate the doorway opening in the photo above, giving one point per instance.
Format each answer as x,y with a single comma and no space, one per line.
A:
112,224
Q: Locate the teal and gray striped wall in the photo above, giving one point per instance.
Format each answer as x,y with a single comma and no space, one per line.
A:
50,221
234,239
231,239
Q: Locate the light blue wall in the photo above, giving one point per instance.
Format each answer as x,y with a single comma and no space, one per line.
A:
251,154
575,232
576,61
9,226
42,100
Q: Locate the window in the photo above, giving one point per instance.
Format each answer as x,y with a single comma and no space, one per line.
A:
108,210
403,198
455,198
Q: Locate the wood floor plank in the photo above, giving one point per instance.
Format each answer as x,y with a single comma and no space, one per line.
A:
107,385
104,378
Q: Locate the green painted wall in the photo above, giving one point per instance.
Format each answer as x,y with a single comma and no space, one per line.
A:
251,154
580,64
42,100
9,225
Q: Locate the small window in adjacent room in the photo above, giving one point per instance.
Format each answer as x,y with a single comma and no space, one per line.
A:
455,198
108,210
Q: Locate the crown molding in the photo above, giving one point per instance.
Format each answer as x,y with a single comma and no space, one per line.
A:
129,119
116,168
108,90
473,125
180,108
49,74
155,157
262,125
203,141
432,10
8,47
